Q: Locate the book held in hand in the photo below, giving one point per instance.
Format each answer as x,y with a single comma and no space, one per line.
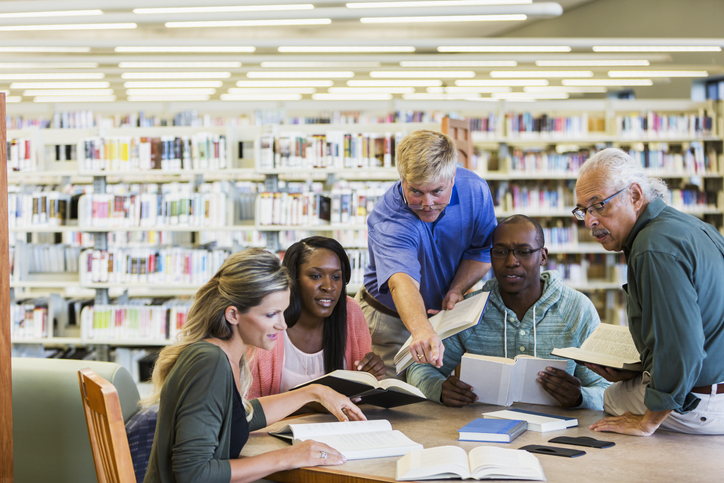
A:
501,381
483,463
354,439
540,422
387,393
492,430
447,323
608,345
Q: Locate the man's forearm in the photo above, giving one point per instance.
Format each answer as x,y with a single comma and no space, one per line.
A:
468,274
405,293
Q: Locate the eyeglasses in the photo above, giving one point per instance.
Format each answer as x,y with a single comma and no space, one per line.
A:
433,207
519,253
580,213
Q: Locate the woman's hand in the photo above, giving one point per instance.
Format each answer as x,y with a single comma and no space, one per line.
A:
373,364
313,453
336,403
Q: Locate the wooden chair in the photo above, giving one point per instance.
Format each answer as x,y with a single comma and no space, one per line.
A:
106,429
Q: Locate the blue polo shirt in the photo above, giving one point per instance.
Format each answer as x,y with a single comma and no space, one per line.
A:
399,242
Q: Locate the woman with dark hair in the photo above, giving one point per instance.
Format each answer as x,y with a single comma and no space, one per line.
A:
327,330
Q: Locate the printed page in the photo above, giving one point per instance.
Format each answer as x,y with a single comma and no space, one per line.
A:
358,376
376,444
525,387
440,462
312,430
613,341
399,386
491,380
466,312
592,357
491,460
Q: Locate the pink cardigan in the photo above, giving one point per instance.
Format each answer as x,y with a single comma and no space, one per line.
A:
266,366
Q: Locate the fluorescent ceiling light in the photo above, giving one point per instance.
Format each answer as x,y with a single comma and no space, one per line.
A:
175,75
458,63
68,92
441,74
589,63
55,13
170,84
69,26
271,90
497,82
477,90
607,82
395,83
261,97
235,8
170,97
285,83
48,65
282,65
591,90
656,48
345,49
74,99
526,95
46,49
370,90
13,99
177,65
419,96
344,74
447,18
60,85
433,3
658,73
504,48
352,97
250,23
53,76
170,92
192,49
541,73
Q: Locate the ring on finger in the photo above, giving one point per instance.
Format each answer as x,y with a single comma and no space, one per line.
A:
323,454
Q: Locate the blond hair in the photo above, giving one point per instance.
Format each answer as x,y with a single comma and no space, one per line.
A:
244,279
426,156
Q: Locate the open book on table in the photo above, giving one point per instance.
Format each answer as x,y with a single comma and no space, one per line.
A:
608,345
483,463
447,323
354,439
501,381
387,393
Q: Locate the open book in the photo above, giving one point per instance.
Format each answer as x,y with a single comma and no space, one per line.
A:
447,323
608,345
483,463
501,381
354,439
387,393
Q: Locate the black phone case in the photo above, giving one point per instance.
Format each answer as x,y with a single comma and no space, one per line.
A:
582,441
553,450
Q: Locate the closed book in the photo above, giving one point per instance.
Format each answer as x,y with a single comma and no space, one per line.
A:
540,422
492,430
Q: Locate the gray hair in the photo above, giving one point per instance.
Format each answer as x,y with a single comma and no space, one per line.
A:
622,170
426,156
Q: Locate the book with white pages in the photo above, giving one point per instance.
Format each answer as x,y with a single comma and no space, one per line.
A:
608,345
482,463
540,422
354,439
447,323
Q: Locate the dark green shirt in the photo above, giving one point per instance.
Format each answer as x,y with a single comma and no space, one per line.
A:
675,304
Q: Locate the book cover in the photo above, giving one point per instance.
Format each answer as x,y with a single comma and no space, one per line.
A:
492,430
541,422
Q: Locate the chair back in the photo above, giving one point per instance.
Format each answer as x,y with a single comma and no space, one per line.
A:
106,429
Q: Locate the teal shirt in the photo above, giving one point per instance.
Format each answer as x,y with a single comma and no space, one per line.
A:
193,432
563,318
675,304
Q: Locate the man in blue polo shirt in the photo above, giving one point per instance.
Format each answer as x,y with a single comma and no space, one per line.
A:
429,242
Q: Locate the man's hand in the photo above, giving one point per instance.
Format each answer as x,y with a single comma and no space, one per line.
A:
451,298
629,423
427,347
565,388
373,364
611,374
456,393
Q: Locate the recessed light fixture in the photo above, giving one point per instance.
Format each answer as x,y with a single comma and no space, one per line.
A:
352,97
189,49
179,65
170,84
370,90
68,92
517,17
608,82
338,65
504,48
285,83
229,8
54,13
175,75
395,83
346,74
271,90
589,63
433,3
170,92
75,99
250,23
403,74
458,63
477,90
13,99
541,73
60,85
168,98
498,82
69,26
656,48
525,95
46,49
48,65
53,76
261,97
427,96
583,90
345,48
658,73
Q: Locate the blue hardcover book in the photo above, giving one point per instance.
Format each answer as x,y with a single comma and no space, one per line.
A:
492,430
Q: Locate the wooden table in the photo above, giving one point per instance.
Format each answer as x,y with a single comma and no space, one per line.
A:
663,457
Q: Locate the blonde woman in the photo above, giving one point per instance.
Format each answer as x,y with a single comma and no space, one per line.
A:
203,419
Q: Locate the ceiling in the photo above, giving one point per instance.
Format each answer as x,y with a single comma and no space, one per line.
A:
68,53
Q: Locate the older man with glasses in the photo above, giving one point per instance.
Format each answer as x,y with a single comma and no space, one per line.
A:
429,241
528,313
674,300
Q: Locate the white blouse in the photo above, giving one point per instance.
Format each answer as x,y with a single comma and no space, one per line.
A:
299,367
